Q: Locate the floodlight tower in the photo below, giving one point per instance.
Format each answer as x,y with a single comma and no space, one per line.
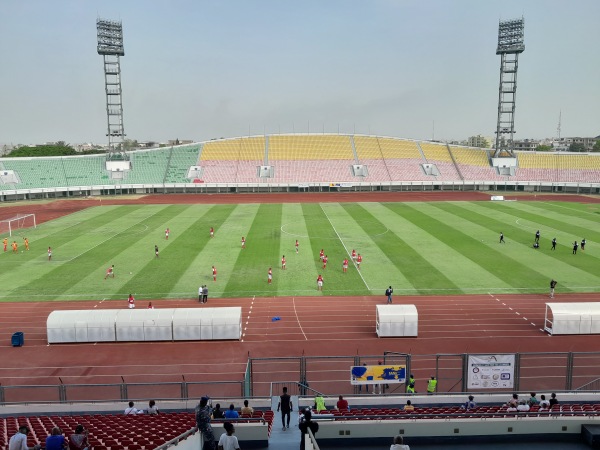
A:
510,45
110,46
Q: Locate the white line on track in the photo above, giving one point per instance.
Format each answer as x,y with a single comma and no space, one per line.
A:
298,318
345,248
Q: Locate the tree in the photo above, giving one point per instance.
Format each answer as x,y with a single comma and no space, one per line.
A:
577,148
544,148
42,150
596,146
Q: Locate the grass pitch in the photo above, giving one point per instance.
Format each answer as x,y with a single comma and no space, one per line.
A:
418,248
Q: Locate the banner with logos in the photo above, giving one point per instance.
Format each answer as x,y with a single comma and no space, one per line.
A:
388,374
491,371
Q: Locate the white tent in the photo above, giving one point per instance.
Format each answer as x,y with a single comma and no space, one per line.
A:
144,324
572,318
397,320
81,326
207,323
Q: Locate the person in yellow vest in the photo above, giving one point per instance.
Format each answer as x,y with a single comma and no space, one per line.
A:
411,380
320,404
431,386
410,389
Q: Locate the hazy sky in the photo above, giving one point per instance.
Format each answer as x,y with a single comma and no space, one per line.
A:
198,69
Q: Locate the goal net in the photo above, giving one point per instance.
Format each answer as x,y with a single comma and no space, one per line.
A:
17,223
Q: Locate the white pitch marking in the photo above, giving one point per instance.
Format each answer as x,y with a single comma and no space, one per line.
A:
510,308
533,324
345,248
524,318
517,313
297,318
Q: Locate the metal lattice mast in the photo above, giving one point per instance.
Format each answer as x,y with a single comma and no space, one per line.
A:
110,46
510,45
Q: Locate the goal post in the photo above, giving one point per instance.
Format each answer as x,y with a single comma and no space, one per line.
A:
16,223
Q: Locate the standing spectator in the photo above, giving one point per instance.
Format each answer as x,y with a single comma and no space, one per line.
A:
502,238
469,404
203,415
150,306
342,403
307,424
553,244
320,403
552,286
231,413
218,412
388,293
200,289
320,283
247,409
431,386
131,301
56,441
286,407
544,404
537,236
79,440
228,441
582,245
575,247
409,406
152,409
156,250
131,409
19,440
553,401
398,444
205,294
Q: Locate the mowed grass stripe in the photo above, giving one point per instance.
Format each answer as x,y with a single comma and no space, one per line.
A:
528,268
367,236
262,251
324,236
569,265
229,222
419,271
76,253
442,251
300,276
188,236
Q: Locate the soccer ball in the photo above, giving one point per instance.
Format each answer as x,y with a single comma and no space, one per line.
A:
130,273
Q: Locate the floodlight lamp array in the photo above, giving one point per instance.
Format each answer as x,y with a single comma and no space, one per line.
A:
511,36
110,37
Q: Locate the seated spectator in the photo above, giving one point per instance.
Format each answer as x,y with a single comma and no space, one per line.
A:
544,404
247,409
523,406
469,404
152,409
409,406
511,409
533,401
19,440
132,409
320,404
513,402
56,441
218,412
341,403
231,413
398,444
79,440
553,400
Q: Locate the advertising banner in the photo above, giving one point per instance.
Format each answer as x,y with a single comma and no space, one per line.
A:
491,371
388,374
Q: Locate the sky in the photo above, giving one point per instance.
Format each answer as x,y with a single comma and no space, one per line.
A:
199,69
